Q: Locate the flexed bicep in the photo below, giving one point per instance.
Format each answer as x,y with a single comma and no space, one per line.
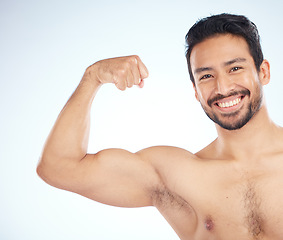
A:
114,177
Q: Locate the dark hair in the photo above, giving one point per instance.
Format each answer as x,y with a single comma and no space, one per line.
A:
224,24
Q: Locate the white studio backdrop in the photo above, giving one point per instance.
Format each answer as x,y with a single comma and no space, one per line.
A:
45,46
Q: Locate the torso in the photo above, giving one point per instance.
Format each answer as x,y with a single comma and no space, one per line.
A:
220,199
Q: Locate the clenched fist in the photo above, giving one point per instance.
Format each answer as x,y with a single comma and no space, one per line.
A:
122,71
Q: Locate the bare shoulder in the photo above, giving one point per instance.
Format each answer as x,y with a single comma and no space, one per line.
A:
165,149
165,154
207,152
167,160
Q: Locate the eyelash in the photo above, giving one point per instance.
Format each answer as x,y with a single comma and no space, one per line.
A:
235,69
206,76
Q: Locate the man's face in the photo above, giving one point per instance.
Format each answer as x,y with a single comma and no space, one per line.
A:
227,84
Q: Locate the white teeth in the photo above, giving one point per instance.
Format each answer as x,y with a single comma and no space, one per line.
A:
229,104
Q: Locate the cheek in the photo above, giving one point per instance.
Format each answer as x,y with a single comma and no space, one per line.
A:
251,80
201,95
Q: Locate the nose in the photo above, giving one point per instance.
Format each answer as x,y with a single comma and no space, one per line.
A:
224,84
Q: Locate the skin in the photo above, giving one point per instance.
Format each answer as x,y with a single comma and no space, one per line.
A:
231,189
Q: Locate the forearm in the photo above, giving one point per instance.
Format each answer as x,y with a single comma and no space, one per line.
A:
68,140
69,137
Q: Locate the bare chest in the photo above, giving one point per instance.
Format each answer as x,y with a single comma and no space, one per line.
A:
226,206
245,210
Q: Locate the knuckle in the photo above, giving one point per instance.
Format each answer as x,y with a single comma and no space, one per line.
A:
122,72
135,57
132,59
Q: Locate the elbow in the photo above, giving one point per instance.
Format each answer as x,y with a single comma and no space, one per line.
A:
42,170
48,171
54,172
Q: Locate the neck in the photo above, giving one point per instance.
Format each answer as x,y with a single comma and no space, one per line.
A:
251,140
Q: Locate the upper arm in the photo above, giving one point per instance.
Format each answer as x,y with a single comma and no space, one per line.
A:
112,176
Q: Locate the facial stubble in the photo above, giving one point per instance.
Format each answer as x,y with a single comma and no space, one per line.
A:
228,120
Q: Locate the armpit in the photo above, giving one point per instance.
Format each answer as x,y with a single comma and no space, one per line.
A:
164,198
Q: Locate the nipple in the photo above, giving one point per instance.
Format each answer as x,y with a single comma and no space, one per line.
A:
209,224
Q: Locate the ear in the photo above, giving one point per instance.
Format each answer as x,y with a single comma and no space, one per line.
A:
196,93
264,74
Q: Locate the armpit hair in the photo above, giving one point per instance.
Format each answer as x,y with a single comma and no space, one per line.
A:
164,198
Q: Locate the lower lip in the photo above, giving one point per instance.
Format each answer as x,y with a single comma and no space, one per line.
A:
231,109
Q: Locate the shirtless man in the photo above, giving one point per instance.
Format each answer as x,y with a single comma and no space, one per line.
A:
232,189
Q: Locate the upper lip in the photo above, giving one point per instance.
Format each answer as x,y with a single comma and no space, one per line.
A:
230,97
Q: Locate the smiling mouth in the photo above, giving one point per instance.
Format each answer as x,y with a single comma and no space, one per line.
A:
230,103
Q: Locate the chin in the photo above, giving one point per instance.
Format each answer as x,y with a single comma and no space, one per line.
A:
232,121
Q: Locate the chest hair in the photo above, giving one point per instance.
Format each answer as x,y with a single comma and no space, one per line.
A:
253,215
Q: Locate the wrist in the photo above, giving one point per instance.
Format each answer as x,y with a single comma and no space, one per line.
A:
91,76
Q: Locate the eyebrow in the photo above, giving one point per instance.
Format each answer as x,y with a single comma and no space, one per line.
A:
203,69
235,60
228,63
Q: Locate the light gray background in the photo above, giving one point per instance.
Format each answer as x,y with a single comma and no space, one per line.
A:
45,46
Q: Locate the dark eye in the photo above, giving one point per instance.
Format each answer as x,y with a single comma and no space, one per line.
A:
234,69
206,76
